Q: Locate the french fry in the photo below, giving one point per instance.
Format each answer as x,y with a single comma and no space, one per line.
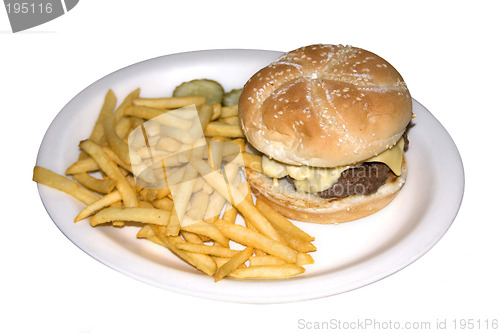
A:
235,262
208,230
191,238
230,214
304,259
97,134
111,169
144,112
296,243
114,141
220,261
253,161
217,251
202,262
49,178
97,205
164,203
199,205
217,111
229,111
220,129
267,272
254,239
123,126
205,113
81,166
98,185
115,158
174,225
231,121
170,102
120,111
145,204
168,144
182,191
132,214
145,232
282,222
266,260
240,142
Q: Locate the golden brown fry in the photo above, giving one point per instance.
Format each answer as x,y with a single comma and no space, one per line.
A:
231,121
202,262
191,238
235,262
229,111
266,260
240,142
296,243
109,104
46,177
123,127
208,230
304,259
199,205
164,203
174,225
253,161
133,214
98,185
216,128
82,165
97,205
282,222
170,102
168,144
115,158
205,113
267,272
120,111
144,112
114,141
217,251
230,213
112,171
217,111
145,204
254,239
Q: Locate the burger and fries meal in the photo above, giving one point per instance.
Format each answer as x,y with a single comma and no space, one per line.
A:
317,136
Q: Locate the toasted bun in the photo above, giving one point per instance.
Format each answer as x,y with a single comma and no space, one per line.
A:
311,208
325,105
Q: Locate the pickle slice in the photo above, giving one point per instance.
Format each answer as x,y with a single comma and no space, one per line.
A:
232,97
211,89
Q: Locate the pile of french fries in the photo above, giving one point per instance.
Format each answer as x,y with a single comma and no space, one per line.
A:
263,244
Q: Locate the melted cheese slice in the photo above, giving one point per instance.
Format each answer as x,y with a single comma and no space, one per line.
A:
392,157
314,179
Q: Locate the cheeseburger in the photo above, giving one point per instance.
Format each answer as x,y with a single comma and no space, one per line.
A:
330,122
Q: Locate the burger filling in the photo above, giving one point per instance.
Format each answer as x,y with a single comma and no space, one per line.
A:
338,182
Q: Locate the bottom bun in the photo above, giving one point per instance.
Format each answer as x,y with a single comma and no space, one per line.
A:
312,208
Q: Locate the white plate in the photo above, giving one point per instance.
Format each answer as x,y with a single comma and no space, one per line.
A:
348,256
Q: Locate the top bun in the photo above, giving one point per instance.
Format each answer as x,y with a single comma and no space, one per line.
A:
325,106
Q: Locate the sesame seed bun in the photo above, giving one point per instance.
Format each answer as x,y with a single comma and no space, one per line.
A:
325,106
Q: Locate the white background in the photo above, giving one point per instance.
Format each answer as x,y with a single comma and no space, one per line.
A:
448,53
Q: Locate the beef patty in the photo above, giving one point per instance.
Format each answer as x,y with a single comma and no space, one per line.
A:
362,180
